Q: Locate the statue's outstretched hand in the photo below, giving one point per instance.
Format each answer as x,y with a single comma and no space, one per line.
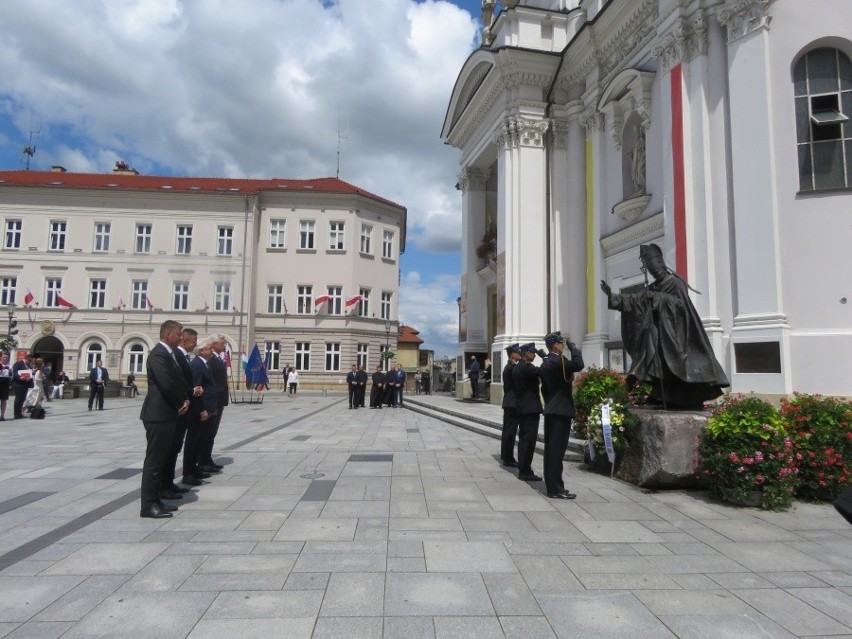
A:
606,289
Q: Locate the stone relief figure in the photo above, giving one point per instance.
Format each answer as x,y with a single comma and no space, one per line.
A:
666,340
637,161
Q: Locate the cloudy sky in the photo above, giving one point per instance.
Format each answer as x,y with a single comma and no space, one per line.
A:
255,88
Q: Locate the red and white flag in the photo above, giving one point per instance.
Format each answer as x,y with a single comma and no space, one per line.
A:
28,298
61,301
353,300
322,299
150,303
120,304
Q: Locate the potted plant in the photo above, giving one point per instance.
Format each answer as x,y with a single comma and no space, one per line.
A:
821,428
487,248
594,388
746,455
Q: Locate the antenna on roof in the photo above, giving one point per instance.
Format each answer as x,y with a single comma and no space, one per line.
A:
341,135
30,149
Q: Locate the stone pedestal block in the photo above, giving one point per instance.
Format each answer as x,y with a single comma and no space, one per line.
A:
664,452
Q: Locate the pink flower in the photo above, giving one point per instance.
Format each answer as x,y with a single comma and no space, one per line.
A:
758,456
748,461
741,469
734,457
760,479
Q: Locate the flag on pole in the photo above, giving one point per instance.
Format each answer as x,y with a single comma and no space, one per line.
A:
28,298
226,357
255,370
120,303
353,300
61,301
322,299
149,302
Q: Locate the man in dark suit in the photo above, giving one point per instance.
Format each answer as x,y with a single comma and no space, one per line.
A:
473,374
360,386
98,376
510,414
377,392
188,340
557,378
22,382
165,401
208,434
525,381
201,412
352,386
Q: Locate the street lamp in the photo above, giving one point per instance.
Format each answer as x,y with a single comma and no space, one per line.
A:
387,342
13,325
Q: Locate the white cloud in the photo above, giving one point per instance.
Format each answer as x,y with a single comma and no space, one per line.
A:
431,308
251,88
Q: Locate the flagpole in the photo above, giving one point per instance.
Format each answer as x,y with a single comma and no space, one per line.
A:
242,287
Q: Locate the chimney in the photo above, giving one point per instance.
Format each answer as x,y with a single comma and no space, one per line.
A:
123,168
57,169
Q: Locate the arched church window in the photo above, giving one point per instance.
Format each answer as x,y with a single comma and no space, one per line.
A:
137,359
822,81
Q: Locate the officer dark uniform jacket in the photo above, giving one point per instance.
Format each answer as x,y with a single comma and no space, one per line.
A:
525,382
557,378
351,381
360,387
510,415
377,392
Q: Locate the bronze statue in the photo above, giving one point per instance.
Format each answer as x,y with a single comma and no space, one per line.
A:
665,337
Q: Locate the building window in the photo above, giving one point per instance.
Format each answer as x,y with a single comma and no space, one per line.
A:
139,295
275,298
273,355
335,301
97,293
306,234
276,233
225,245
8,286
366,234
13,234
94,352
53,290
304,299
137,359
222,296
822,81
184,240
387,245
143,238
364,303
361,357
102,230
332,356
386,305
335,236
180,296
303,356
57,235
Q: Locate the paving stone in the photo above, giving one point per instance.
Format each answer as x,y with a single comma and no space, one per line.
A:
40,630
467,628
288,628
307,581
348,628
510,594
82,599
791,613
526,628
354,595
691,602
409,628
436,594
749,625
247,563
265,604
543,573
769,556
631,532
326,529
610,581
473,556
220,582
107,559
832,602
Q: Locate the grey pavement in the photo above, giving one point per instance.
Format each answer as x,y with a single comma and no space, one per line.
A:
330,522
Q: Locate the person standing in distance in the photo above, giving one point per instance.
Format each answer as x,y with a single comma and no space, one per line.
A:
22,381
165,401
525,381
510,414
208,437
557,379
473,374
351,383
98,376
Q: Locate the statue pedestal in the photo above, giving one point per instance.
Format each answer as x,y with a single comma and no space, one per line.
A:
664,452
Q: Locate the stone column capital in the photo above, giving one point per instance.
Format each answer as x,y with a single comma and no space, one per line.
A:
473,179
743,17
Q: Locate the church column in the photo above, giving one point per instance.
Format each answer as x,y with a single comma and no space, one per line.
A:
594,341
473,304
569,214
521,192
760,333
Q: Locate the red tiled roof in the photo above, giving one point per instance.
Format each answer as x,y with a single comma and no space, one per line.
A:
408,335
176,184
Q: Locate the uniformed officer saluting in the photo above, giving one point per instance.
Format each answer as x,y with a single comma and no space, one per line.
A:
525,382
557,377
510,415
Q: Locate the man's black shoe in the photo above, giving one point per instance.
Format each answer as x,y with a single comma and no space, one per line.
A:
563,495
212,470
201,475
174,488
212,463
154,512
167,507
532,477
167,494
511,463
193,481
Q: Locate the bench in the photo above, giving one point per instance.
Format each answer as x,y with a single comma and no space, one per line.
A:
126,391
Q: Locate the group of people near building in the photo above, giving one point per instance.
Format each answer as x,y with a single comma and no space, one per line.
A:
387,387
33,382
182,410
524,385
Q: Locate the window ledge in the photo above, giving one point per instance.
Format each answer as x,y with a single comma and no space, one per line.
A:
388,260
306,250
368,256
827,191
276,249
336,251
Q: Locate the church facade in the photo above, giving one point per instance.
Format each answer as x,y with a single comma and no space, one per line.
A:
717,129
